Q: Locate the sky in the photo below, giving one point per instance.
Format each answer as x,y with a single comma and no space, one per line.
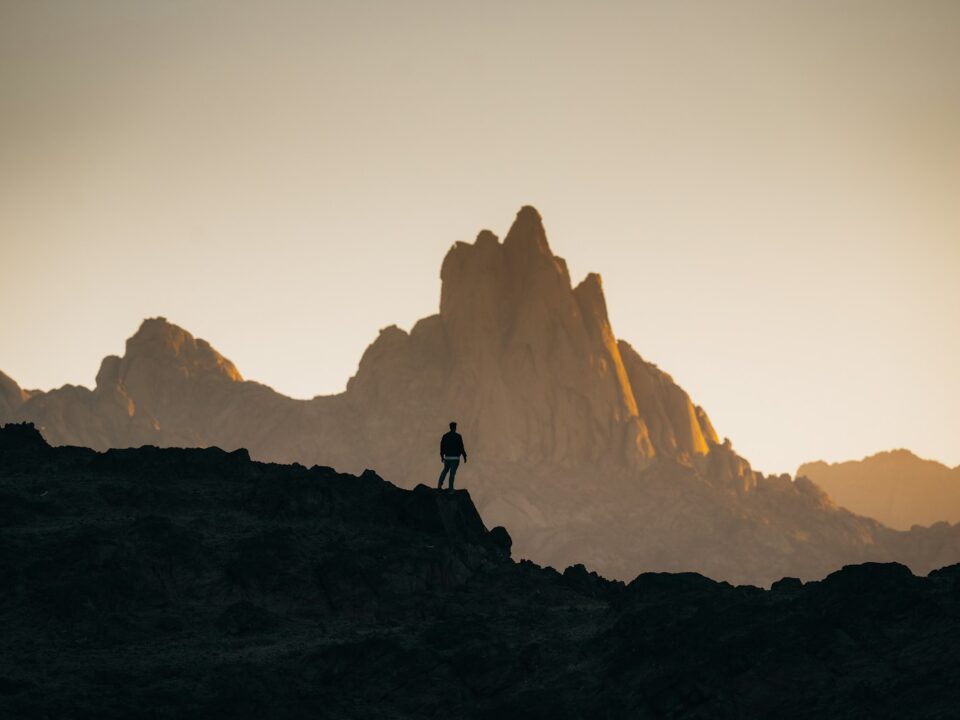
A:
770,190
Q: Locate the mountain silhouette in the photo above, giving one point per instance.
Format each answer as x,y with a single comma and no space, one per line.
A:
897,488
171,583
584,450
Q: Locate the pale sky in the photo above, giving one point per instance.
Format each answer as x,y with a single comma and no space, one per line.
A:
770,190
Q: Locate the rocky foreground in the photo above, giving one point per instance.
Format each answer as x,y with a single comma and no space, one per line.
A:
172,583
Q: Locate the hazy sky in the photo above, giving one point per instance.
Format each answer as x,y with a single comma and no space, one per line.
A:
770,190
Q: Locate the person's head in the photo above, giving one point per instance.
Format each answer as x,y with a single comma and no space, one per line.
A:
453,426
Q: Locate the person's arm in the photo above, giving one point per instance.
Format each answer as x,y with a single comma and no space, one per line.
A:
441,448
463,450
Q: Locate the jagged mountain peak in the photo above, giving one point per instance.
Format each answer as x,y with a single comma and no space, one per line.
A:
528,233
517,328
590,298
486,239
159,340
494,290
520,266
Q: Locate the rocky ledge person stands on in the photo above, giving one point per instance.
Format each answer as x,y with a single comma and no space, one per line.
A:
451,448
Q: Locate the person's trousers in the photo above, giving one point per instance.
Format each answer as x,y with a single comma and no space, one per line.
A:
451,467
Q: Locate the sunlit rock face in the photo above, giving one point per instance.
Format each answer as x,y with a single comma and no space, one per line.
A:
584,450
162,351
533,362
897,488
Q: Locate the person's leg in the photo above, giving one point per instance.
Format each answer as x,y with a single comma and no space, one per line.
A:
443,474
454,464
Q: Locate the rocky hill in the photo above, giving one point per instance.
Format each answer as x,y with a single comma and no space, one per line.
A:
897,488
170,583
584,450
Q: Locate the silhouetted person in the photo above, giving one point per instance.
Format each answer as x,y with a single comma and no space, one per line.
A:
451,448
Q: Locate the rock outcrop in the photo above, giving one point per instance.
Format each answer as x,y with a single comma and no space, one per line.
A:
585,451
11,396
897,488
171,583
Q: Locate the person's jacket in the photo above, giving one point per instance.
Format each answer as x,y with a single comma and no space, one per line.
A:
451,445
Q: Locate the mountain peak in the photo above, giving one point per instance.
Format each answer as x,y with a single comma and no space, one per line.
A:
527,232
12,396
157,339
486,239
490,281
896,487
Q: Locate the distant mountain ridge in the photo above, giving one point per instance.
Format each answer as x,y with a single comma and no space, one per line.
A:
896,487
585,451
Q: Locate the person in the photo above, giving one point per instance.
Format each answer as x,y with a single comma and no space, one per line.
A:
451,448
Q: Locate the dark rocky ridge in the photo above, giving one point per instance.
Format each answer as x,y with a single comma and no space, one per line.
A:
585,451
154,583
